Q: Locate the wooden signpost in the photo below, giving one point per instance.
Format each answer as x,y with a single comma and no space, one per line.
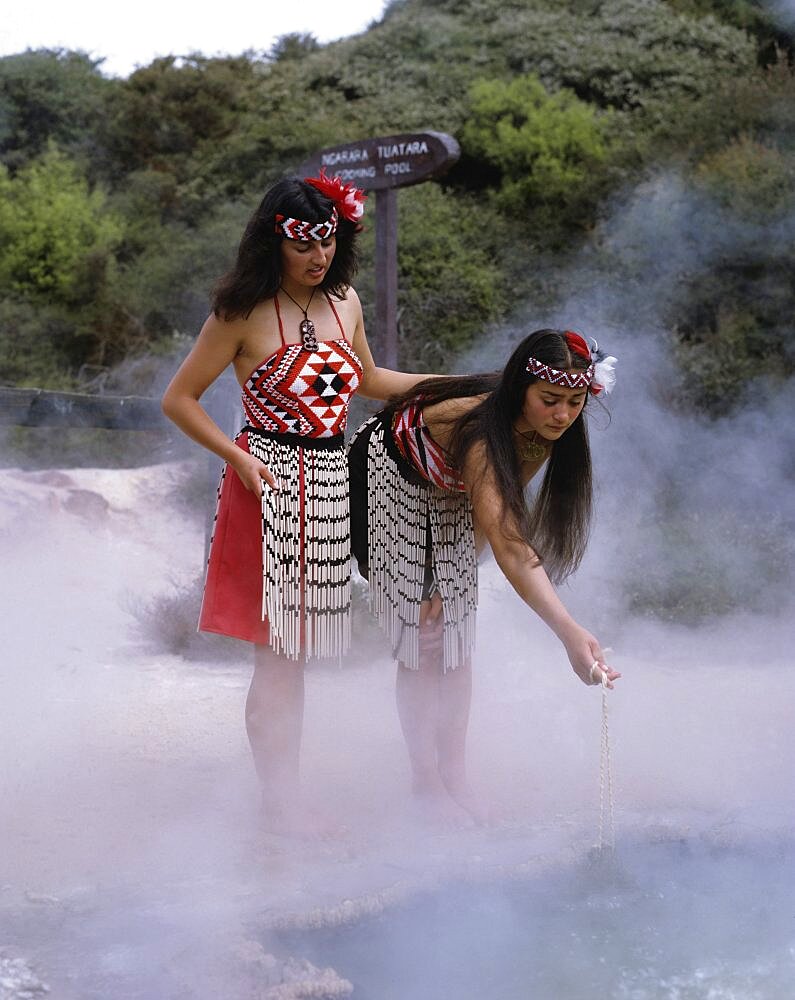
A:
383,165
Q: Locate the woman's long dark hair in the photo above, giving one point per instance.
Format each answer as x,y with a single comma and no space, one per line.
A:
257,272
558,524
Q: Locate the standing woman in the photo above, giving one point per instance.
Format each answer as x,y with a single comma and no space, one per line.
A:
288,321
435,476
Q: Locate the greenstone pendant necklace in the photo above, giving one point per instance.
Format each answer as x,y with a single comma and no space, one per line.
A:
529,448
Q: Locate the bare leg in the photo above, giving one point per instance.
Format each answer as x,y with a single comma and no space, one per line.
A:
455,699
418,695
274,722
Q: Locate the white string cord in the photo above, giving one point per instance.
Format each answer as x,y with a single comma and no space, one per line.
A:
607,829
606,781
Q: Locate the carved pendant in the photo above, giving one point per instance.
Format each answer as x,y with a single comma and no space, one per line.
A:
307,330
532,451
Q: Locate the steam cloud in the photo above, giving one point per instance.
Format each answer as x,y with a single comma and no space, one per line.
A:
129,799
784,11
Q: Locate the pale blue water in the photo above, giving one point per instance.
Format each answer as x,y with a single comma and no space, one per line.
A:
674,921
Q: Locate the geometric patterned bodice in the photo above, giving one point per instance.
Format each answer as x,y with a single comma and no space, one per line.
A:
418,448
296,391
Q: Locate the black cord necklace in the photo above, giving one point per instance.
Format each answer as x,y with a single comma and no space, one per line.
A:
306,327
530,450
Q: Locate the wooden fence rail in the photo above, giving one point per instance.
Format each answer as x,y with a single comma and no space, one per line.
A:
44,408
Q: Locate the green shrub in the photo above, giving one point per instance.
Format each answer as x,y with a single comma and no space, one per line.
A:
754,16
32,339
752,178
57,235
167,624
758,105
449,284
700,576
731,342
547,148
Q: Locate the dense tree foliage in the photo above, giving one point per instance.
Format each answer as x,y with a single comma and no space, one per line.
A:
545,148
57,237
759,17
52,96
122,200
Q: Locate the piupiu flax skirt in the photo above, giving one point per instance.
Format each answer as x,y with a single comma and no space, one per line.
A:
403,530
278,572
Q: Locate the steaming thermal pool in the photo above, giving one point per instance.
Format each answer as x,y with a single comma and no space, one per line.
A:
132,867
666,921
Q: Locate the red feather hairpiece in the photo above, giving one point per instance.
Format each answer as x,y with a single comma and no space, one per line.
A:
577,344
349,200
604,366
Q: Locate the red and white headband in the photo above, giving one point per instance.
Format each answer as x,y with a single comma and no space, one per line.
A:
597,377
295,229
348,203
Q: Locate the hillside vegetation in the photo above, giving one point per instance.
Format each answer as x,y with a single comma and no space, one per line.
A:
121,201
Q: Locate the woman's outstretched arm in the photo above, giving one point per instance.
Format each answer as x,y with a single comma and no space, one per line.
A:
521,567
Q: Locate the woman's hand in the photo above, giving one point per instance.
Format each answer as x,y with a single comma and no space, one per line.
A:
431,624
251,472
431,610
587,659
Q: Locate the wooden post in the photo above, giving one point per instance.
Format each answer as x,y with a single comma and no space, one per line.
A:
386,241
382,164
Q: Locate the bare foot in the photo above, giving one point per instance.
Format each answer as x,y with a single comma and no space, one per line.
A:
440,812
434,807
295,819
482,811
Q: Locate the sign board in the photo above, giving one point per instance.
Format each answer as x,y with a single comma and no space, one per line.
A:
382,165
389,161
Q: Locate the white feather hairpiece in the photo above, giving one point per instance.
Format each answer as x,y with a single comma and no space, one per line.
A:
604,374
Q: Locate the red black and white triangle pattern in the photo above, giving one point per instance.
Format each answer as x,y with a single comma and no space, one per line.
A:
570,380
296,229
416,445
304,392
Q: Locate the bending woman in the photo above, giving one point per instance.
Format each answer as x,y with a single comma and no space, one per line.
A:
435,476
288,321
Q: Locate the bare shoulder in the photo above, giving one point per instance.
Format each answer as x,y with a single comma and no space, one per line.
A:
440,417
349,308
217,330
349,295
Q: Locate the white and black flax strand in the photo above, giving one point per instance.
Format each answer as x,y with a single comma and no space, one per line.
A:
455,570
306,590
327,551
400,512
